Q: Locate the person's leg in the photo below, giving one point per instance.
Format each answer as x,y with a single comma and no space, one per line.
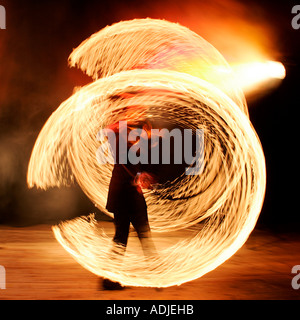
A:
122,223
140,223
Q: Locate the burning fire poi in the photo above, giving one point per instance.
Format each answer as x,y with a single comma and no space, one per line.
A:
164,68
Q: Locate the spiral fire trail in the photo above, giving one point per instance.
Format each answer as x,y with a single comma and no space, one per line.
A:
167,71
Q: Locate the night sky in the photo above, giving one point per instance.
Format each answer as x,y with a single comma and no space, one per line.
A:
35,79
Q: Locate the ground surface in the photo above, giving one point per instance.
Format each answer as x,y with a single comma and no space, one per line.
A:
37,267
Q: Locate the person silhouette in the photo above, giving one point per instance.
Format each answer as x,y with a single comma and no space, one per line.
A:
125,196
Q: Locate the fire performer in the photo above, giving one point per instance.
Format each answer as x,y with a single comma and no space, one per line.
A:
125,197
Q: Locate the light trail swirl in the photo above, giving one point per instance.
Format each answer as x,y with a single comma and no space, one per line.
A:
147,63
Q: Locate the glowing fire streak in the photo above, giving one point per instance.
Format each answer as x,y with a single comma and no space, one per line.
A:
140,63
252,75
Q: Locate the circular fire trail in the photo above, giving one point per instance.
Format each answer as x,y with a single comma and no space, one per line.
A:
156,69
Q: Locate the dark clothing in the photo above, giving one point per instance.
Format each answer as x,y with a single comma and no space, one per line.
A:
123,194
125,199
139,220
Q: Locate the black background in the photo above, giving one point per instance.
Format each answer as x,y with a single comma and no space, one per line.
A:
35,79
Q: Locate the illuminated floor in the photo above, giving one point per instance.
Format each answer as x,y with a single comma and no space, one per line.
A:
37,267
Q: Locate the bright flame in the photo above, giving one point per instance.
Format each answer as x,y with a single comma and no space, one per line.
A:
145,63
251,76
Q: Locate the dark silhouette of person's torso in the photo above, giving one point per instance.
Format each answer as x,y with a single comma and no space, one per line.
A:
124,194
